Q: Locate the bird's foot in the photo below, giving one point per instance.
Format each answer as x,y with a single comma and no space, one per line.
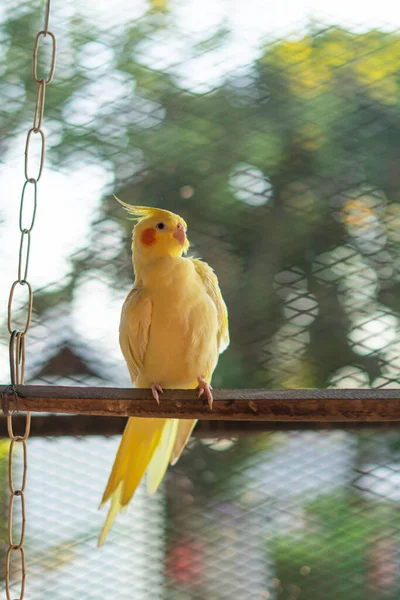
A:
155,389
205,388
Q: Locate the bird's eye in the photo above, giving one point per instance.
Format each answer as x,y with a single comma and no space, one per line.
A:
160,226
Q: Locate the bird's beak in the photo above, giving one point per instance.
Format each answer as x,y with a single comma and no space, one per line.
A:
180,235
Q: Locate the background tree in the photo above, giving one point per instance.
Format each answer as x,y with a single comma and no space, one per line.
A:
287,173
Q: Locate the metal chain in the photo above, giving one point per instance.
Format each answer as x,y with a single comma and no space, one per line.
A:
17,331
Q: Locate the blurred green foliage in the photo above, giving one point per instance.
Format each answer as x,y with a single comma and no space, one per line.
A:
317,556
316,117
284,162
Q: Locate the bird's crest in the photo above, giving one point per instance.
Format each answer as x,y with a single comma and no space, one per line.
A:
139,213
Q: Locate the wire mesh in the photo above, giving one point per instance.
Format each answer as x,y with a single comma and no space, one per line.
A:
277,140
259,518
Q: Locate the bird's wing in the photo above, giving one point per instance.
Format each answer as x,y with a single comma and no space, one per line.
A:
134,329
210,282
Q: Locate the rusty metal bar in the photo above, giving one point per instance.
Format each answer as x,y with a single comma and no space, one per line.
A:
313,405
86,425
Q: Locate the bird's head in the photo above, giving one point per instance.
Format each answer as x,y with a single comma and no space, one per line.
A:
158,233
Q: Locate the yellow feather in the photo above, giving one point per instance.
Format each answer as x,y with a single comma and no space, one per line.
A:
119,467
210,283
140,439
160,460
184,432
112,513
147,434
139,213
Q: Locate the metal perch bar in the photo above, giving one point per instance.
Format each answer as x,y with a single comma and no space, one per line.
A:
85,425
291,406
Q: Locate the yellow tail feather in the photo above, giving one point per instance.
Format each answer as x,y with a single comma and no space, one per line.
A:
184,432
139,442
112,513
147,445
119,466
140,455
159,463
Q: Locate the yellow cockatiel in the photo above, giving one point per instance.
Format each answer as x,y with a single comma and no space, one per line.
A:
174,325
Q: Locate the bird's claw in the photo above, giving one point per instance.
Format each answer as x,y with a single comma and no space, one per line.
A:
155,389
205,388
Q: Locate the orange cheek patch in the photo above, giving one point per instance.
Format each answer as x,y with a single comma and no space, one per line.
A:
148,237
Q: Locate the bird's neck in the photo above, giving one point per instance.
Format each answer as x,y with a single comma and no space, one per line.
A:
153,266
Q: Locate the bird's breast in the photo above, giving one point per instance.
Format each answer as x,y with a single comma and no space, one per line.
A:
183,333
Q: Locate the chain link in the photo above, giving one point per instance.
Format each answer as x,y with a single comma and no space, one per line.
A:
42,151
23,257
17,358
52,59
29,306
22,206
39,107
15,552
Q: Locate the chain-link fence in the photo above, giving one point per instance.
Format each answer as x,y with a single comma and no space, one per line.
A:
277,139
280,515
